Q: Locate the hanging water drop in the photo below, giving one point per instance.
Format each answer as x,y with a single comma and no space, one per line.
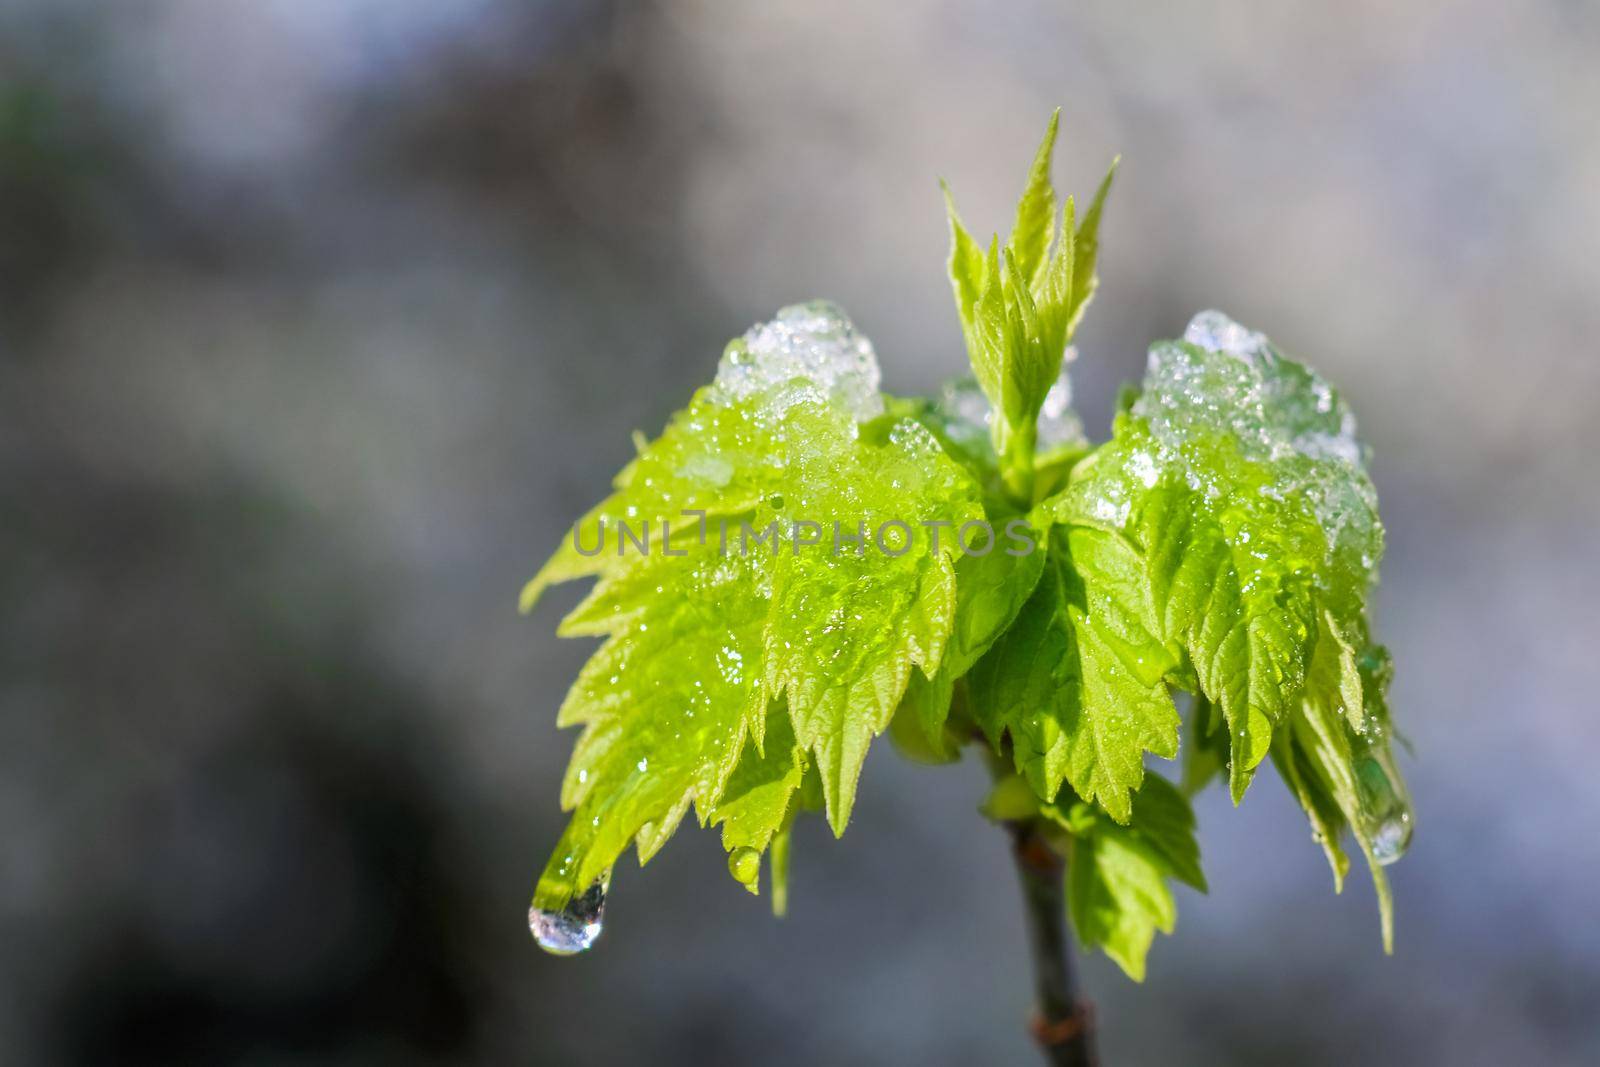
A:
575,927
745,866
1386,820
1391,838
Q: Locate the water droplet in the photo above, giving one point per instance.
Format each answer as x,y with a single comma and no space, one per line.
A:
575,927
745,865
1392,838
1385,808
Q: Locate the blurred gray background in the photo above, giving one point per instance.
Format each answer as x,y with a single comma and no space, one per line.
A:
320,320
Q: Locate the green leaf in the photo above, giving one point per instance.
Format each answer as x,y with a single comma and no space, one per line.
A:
1118,898
666,705
700,642
920,726
1078,681
1238,476
1117,891
1161,815
1055,292
1085,279
1034,368
1343,775
1034,228
758,809
761,791
991,354
1246,644
846,629
966,267
1019,305
1327,821
991,590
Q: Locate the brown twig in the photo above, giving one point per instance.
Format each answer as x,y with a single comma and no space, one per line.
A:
1063,1022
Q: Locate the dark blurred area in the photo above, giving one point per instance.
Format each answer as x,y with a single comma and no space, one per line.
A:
321,319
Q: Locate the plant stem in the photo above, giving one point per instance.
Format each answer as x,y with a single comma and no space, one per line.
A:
1064,1021
1016,461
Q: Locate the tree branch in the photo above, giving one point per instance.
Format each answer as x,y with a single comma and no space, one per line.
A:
1063,1022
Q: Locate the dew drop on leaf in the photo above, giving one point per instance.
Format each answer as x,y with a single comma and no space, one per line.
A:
745,865
1385,807
574,928
1392,838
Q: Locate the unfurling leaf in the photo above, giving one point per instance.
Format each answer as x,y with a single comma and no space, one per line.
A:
1019,303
